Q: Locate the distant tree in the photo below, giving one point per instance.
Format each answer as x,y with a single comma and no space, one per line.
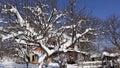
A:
112,30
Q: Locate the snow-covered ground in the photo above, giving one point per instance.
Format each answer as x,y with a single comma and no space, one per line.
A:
8,63
11,64
15,65
52,65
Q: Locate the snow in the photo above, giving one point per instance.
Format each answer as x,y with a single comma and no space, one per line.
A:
9,64
42,57
21,41
53,65
4,37
20,19
79,23
113,55
39,10
106,53
66,27
110,54
72,26
84,66
71,66
86,31
95,55
1,20
49,52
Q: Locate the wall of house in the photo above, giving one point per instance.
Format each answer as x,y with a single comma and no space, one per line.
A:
71,56
33,58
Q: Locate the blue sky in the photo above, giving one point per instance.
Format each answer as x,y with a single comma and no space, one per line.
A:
102,8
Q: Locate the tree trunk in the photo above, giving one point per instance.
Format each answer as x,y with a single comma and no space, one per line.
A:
41,65
62,66
27,64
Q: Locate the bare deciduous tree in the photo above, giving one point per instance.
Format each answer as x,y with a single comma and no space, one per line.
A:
112,30
37,29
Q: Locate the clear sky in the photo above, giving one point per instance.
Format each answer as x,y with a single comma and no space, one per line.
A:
102,8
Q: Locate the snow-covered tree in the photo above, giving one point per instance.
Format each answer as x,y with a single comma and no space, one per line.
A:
40,28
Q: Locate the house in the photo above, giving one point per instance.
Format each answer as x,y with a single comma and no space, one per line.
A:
73,54
109,56
34,55
95,57
76,55
108,59
1,54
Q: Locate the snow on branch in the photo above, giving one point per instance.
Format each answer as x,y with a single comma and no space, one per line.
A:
69,40
52,14
5,37
19,17
1,20
86,31
72,26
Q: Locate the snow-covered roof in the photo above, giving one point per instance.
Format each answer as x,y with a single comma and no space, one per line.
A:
73,50
51,46
95,55
110,54
105,53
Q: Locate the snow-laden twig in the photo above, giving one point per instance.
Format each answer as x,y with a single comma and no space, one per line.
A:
86,31
19,17
5,37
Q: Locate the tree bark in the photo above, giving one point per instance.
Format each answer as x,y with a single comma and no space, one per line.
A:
41,65
27,64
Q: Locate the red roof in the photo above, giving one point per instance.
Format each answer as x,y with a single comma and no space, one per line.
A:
38,49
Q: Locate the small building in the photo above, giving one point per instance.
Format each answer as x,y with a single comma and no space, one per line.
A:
34,55
109,56
77,55
33,58
95,57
